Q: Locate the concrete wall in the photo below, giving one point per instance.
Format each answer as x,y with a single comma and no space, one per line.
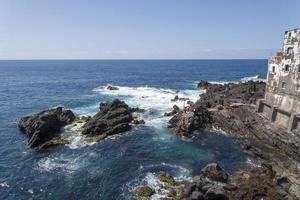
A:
283,83
282,119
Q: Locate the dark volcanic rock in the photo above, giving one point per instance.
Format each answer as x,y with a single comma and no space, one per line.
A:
203,84
112,87
217,94
173,112
215,172
43,126
138,110
114,117
193,118
206,186
257,183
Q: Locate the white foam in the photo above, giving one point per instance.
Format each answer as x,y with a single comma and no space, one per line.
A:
4,184
60,163
153,182
30,191
156,101
220,131
255,78
252,162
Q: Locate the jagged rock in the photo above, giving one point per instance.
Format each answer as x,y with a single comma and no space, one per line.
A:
43,126
186,122
114,117
216,192
137,121
166,178
173,112
144,191
112,87
207,186
138,110
176,98
217,94
215,172
196,195
203,84
257,184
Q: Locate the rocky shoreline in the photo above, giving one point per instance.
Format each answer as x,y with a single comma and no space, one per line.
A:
229,107
43,129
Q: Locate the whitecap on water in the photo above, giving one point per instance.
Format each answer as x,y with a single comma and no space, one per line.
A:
4,184
255,78
59,163
156,101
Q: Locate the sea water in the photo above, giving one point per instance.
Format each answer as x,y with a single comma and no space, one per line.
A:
112,168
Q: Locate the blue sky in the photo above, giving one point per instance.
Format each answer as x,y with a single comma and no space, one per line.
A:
144,29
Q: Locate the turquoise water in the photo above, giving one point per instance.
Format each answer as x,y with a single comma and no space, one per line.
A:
112,168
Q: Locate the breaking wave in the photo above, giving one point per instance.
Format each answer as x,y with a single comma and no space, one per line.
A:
149,178
156,101
255,78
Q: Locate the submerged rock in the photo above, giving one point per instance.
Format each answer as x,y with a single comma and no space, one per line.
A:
144,191
113,118
43,126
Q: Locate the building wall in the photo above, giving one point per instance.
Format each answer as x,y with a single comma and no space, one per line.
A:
283,85
283,81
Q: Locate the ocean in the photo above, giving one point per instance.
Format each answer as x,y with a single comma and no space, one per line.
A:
112,168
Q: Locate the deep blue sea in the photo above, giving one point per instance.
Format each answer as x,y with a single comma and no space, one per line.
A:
112,168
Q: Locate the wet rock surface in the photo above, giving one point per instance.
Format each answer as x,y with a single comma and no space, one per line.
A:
113,118
231,108
192,118
43,126
258,183
144,191
110,87
244,92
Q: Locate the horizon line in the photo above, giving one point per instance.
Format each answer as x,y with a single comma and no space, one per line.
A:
116,59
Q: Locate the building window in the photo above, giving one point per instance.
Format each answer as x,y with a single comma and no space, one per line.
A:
273,69
283,85
286,68
298,87
290,51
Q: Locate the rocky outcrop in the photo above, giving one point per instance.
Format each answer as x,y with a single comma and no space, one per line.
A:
215,172
175,110
144,191
43,126
114,117
244,92
110,87
257,183
209,185
192,118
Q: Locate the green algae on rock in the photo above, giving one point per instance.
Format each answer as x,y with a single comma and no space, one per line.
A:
166,178
144,191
